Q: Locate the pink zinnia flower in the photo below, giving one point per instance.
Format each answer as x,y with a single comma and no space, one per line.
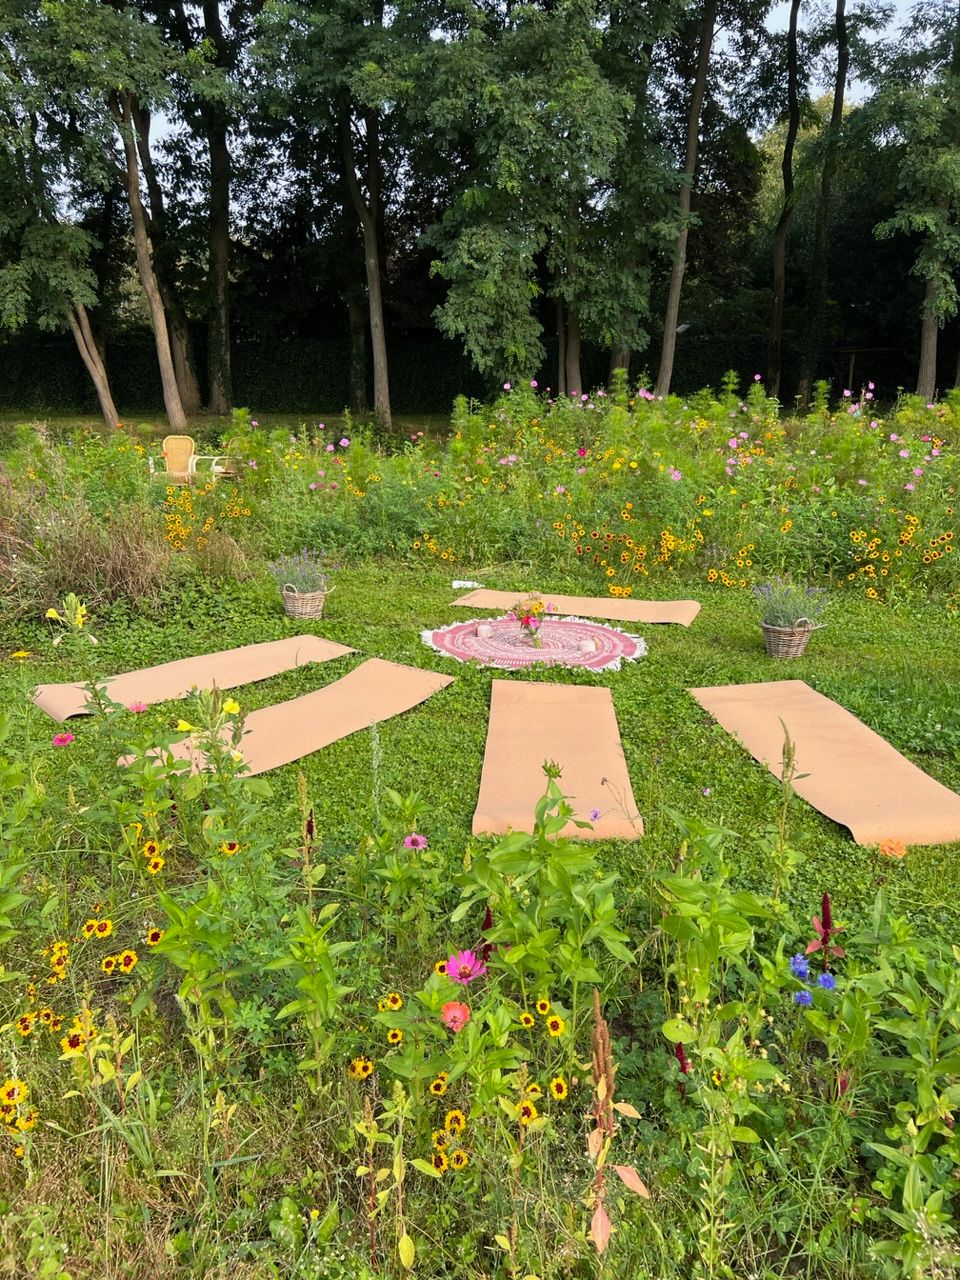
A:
581,453
464,966
415,841
137,707
455,1015
62,739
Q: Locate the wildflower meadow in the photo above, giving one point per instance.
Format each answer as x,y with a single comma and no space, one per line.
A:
305,1025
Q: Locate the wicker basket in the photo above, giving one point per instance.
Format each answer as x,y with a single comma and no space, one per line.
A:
788,642
303,604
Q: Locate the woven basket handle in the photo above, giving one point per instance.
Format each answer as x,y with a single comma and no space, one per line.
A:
806,623
290,589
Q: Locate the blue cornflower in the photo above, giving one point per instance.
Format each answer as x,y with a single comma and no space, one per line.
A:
827,981
800,966
803,997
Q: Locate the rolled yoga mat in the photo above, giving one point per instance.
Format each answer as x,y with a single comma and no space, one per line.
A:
374,691
649,611
225,669
853,776
573,726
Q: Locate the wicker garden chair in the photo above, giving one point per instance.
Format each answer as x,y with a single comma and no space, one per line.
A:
178,460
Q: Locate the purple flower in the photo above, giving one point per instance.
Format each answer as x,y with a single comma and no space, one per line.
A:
344,443
314,485
827,981
62,739
594,815
909,487
254,422
870,386
415,841
904,453
846,393
506,386
330,448
464,966
560,489
674,474
707,791
800,966
533,383
861,482
918,471
756,377
732,443
802,997
252,463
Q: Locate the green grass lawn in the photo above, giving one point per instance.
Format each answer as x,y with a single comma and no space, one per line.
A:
899,672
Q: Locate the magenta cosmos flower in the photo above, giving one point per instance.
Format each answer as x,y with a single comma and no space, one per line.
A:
62,739
464,966
415,841
137,708
455,1015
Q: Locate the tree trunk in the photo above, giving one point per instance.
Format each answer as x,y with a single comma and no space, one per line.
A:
368,215
177,324
123,114
929,334
572,363
353,297
672,314
90,354
817,286
619,359
561,349
775,349
219,375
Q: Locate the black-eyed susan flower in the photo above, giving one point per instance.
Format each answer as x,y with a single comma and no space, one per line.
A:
28,1120
89,929
441,968
104,928
526,1111
527,1020
438,1087
455,1121
558,1088
56,1023
394,1001
359,1068
394,1036
127,960
555,1025
533,1090
459,1159
153,937
716,1078
25,1023
150,848
108,964
13,1092
73,1043
440,1139
229,848
46,1016
439,1161
155,866
543,1007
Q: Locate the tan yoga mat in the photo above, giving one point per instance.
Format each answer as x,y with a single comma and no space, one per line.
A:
226,669
650,611
853,776
374,691
575,726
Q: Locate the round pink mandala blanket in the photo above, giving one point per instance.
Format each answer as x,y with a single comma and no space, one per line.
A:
562,644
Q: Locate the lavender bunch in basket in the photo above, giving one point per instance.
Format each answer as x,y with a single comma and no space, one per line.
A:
784,604
307,572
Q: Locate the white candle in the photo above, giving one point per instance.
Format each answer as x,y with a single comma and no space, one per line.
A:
588,646
484,630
